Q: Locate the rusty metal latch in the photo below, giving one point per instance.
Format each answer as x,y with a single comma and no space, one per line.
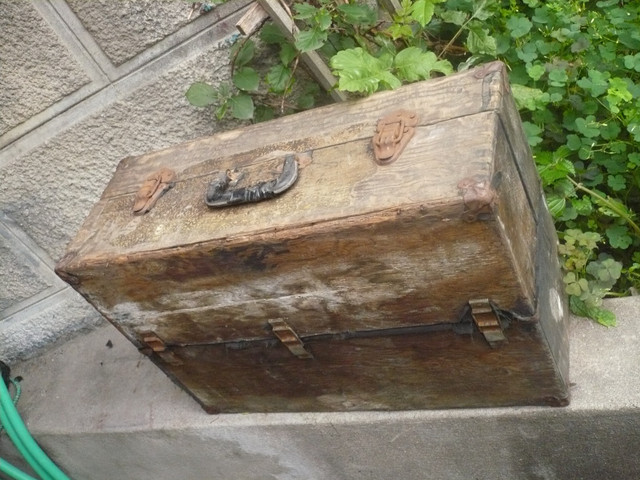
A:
156,345
393,133
487,321
478,196
289,338
152,189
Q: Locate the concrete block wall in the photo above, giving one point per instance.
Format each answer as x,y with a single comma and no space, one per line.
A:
83,85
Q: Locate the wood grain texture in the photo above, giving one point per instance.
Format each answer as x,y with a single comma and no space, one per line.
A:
340,181
401,372
352,246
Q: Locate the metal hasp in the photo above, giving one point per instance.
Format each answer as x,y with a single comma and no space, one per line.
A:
487,321
152,189
156,345
289,338
393,133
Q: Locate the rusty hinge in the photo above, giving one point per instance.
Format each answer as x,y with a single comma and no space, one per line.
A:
488,322
156,345
393,132
289,338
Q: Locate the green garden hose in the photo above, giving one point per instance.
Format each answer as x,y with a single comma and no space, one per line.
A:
24,442
13,472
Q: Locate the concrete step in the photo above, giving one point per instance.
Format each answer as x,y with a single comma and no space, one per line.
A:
103,411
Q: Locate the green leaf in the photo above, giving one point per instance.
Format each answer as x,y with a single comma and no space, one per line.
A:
574,142
241,106
304,11
307,40
287,53
422,11
201,94
632,62
529,98
357,14
246,52
617,93
397,31
454,16
262,113
616,182
479,41
556,205
618,236
359,71
532,131
247,79
610,130
605,270
559,168
323,19
599,314
270,34
596,82
413,64
307,101
518,26
278,78
588,126
528,53
558,77
221,111
634,129
535,71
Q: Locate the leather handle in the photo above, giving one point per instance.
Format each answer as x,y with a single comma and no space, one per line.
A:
221,193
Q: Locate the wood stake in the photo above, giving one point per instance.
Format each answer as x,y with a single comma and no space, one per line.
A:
252,20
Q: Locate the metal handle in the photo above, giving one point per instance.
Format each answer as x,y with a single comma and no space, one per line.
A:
219,194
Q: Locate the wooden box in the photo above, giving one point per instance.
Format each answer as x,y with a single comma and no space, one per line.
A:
408,263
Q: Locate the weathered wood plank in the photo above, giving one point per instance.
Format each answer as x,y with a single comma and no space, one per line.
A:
252,20
340,181
438,100
433,370
396,271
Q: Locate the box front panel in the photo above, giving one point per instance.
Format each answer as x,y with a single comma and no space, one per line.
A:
403,269
437,369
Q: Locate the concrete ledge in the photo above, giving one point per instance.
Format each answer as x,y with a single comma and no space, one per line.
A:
106,412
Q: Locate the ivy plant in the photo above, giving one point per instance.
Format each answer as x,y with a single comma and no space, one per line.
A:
574,67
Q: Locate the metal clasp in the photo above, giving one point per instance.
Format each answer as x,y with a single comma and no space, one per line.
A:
156,345
487,321
152,189
393,133
289,338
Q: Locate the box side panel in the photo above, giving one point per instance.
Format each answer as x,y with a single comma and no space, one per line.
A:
515,215
552,310
432,370
397,268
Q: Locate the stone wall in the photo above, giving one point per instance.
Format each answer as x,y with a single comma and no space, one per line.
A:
83,85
